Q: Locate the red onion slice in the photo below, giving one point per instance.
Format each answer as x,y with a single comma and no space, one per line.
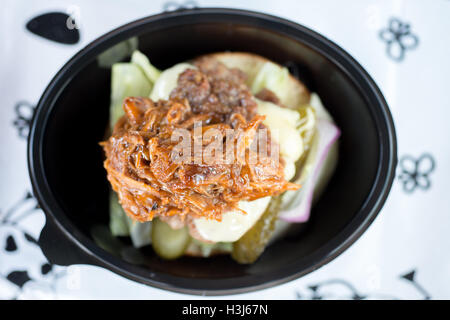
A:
328,133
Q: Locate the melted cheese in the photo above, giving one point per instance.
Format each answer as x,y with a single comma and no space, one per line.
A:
234,224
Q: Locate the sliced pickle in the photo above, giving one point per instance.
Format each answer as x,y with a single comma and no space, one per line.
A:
169,243
252,244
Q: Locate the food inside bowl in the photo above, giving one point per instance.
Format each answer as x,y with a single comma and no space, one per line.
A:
218,155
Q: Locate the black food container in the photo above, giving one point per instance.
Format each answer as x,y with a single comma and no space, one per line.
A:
65,160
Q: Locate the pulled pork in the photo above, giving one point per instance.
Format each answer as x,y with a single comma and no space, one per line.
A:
143,163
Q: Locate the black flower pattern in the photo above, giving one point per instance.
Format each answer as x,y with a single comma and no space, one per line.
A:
343,289
415,172
19,278
55,26
24,113
18,237
10,244
411,277
338,289
398,38
46,268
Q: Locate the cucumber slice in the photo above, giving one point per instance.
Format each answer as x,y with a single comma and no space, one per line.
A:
149,70
127,80
169,243
118,221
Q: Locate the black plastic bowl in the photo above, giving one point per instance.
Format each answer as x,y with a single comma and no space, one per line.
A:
65,160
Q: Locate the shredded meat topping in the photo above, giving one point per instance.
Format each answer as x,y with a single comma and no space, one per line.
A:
216,90
143,163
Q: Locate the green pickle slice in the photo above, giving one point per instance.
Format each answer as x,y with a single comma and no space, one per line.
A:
169,243
252,244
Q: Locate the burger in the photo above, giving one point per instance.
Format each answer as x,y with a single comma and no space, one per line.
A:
217,155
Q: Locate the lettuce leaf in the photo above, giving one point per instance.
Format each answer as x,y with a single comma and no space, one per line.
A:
141,60
118,220
127,79
135,78
117,52
317,168
140,232
205,249
272,77
167,81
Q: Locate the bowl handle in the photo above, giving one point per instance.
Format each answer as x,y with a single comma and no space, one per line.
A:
58,249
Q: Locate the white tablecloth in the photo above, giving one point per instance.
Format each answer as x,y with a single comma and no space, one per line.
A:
404,45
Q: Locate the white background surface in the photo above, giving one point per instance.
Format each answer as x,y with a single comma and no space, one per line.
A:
412,233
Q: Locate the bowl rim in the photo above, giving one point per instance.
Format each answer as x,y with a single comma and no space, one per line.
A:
200,286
